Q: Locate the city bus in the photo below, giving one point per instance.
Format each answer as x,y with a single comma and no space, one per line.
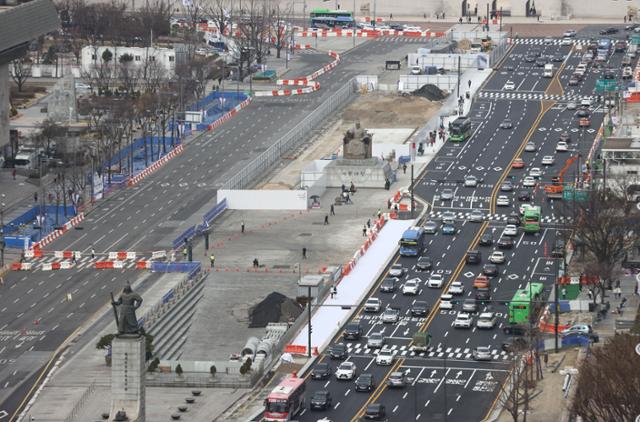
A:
321,18
460,129
286,400
531,220
411,242
525,303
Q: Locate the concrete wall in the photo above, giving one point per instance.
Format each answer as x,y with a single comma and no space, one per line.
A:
4,106
264,199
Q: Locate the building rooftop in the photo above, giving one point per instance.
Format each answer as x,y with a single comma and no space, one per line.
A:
21,24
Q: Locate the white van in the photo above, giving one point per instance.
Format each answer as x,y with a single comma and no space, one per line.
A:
416,70
26,159
548,71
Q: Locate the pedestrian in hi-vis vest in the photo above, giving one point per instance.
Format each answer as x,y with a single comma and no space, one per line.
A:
212,259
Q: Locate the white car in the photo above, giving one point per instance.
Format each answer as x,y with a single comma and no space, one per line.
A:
384,357
397,270
562,147
523,207
627,72
535,172
572,106
509,86
346,371
566,41
411,287
502,201
548,40
471,181
373,304
548,160
528,181
456,288
415,70
570,33
390,316
463,320
435,281
497,257
446,301
486,320
510,230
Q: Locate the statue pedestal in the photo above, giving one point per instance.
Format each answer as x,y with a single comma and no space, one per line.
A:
365,173
127,377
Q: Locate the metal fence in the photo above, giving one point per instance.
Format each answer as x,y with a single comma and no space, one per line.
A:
298,134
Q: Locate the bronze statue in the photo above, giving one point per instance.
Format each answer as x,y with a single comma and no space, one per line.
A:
357,143
126,319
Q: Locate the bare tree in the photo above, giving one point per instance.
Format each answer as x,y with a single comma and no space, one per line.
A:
221,13
49,130
128,74
21,71
609,381
280,30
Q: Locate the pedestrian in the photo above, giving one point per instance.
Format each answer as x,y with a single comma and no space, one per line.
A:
617,292
369,223
388,204
255,263
404,168
545,358
344,188
13,173
35,197
73,257
331,292
242,227
391,16
212,260
538,16
93,253
326,220
625,18
387,184
379,213
333,210
349,201
184,253
334,291
590,294
304,253
564,293
352,188
364,231
618,283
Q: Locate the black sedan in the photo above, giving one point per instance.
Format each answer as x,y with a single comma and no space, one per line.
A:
321,400
524,196
541,62
365,383
490,270
338,351
486,240
609,31
321,371
529,59
419,308
505,242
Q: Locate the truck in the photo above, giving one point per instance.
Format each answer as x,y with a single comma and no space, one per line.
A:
421,342
548,71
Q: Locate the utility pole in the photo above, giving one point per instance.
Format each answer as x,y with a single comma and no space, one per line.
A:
309,328
500,18
2,205
459,76
412,201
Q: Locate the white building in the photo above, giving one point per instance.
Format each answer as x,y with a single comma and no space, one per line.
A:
164,58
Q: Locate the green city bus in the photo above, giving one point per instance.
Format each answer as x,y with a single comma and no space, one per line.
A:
531,220
524,301
326,18
460,129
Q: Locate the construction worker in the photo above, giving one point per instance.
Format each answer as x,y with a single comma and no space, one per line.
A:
212,259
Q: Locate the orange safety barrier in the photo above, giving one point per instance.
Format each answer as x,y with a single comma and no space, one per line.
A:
404,207
67,254
55,265
393,215
141,265
100,265
122,256
16,266
296,350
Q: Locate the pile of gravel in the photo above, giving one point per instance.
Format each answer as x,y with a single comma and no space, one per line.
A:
430,92
276,307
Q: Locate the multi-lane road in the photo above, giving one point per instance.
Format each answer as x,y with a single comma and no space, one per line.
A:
40,310
446,383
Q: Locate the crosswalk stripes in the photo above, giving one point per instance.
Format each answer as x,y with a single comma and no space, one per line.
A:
530,96
541,41
360,349
549,219
404,40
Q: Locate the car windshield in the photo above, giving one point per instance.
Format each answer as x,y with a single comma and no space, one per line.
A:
322,367
277,405
375,336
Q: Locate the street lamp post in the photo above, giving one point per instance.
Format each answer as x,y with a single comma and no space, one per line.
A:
2,205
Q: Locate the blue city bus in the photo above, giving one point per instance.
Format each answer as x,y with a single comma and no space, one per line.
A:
411,243
604,46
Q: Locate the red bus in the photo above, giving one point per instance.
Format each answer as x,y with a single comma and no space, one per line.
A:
285,401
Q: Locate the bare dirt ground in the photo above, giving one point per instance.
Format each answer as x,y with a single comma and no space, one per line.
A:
374,111
549,402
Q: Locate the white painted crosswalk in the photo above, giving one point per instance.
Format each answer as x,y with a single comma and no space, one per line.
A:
457,353
530,96
542,41
463,216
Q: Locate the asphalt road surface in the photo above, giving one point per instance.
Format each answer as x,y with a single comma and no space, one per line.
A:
39,309
446,383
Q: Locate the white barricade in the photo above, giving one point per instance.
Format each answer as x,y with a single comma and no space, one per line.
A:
118,264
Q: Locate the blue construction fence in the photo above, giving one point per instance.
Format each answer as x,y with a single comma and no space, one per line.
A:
24,229
185,236
190,267
216,105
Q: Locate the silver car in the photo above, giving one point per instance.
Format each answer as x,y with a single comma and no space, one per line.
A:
446,194
430,227
476,216
390,316
482,353
375,341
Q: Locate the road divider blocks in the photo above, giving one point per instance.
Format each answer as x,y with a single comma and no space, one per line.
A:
155,166
21,266
229,114
57,233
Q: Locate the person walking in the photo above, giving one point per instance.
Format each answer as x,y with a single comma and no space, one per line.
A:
256,264
242,227
378,213
564,293
332,210
369,223
185,253
334,291
35,197
304,253
93,253
326,220
13,173
364,231
404,168
212,260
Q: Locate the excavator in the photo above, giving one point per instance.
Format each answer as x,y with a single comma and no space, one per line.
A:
555,189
